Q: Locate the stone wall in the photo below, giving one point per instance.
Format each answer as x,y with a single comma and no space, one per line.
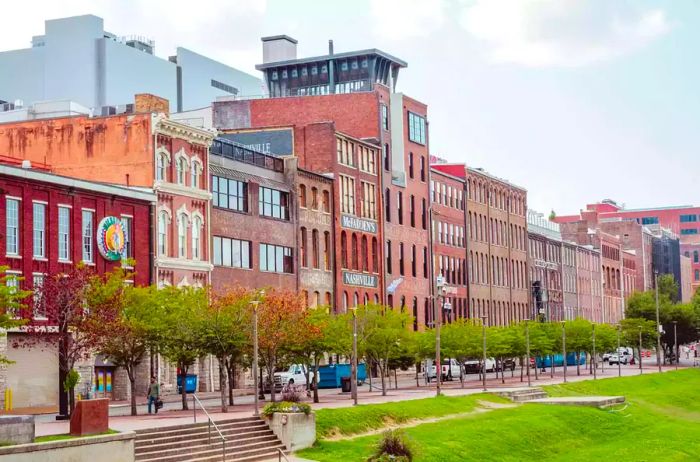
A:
16,429
106,448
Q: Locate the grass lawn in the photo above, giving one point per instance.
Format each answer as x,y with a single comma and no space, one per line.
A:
66,436
661,422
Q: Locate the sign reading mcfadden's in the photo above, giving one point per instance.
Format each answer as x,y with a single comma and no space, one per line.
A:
358,224
359,279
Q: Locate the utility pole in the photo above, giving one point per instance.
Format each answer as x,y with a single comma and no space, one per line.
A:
563,345
353,376
256,411
441,290
527,347
640,350
593,359
619,366
675,343
658,324
483,337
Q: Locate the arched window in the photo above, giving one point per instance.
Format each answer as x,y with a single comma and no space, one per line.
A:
345,302
302,195
375,255
182,236
344,249
354,255
317,298
195,171
196,238
163,233
161,168
387,205
355,299
366,298
376,299
303,250
327,250
314,198
315,261
365,256
181,170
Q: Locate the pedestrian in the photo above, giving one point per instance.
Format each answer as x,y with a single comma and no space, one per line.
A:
153,394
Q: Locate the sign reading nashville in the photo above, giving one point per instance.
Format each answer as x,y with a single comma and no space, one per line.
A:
358,224
359,279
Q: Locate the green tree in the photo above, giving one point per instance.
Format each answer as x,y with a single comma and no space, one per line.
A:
668,287
631,330
313,346
578,339
182,313
11,304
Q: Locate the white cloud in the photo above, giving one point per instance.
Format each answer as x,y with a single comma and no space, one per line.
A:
406,19
542,33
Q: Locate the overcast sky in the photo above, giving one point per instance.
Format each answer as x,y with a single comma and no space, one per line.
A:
574,100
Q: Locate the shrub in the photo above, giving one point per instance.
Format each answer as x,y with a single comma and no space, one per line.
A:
292,393
393,446
285,407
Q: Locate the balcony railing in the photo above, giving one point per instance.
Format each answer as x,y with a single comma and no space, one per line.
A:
232,150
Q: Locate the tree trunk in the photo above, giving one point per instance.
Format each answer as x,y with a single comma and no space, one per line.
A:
183,390
462,372
417,380
315,379
369,374
503,372
271,378
536,376
578,363
522,361
132,387
231,373
551,366
308,381
396,380
381,373
222,384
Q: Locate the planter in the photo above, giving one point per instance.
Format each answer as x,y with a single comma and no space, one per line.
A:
295,430
17,429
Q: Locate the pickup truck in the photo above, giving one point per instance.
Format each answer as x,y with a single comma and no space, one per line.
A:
449,370
294,375
473,366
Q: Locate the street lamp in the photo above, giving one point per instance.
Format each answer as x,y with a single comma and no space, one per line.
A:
658,324
675,342
483,338
353,375
441,291
527,349
593,359
619,366
640,350
255,303
563,345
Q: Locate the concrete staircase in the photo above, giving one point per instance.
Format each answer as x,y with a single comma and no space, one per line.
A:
522,395
247,440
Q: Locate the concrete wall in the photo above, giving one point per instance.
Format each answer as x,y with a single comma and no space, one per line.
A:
17,429
106,448
296,431
30,62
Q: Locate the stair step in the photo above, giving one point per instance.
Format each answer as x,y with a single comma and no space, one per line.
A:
213,453
197,428
204,423
200,433
179,441
166,450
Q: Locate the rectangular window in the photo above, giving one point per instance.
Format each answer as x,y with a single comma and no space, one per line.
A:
275,258
692,218
232,253
416,128
87,235
128,246
229,194
273,203
689,231
12,282
12,227
385,117
39,229
347,194
368,200
650,220
63,233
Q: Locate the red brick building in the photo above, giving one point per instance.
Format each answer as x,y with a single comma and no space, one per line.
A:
51,223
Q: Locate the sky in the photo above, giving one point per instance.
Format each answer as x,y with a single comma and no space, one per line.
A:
574,100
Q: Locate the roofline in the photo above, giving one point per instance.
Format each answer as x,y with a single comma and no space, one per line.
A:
440,172
104,188
477,171
347,54
279,37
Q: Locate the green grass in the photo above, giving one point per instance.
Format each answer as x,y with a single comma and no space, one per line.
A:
364,418
66,436
660,423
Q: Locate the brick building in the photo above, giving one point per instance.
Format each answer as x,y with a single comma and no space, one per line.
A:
589,283
449,225
682,220
546,257
50,223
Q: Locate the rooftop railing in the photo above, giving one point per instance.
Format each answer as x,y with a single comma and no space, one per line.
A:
235,151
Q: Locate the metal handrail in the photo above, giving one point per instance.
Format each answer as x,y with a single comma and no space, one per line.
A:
280,455
210,422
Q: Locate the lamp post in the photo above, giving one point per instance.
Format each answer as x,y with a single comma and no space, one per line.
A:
527,349
483,339
441,291
640,350
675,343
658,324
353,375
255,303
619,366
563,345
593,359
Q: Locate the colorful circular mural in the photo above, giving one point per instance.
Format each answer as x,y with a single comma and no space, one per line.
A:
110,238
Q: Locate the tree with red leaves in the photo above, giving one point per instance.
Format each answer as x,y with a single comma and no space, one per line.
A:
59,317
282,326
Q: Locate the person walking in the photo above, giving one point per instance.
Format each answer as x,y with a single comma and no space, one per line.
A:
153,395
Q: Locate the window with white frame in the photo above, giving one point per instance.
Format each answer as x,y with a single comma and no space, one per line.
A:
88,216
276,258
63,233
181,170
163,233
12,226
233,253
161,167
196,238
347,194
195,172
39,229
182,236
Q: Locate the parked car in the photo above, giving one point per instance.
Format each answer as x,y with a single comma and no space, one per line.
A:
606,357
449,370
508,364
294,375
473,366
617,358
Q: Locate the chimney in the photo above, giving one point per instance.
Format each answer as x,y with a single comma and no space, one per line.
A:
26,164
330,47
279,48
145,103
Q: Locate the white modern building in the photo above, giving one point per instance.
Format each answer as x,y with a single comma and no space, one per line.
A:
77,60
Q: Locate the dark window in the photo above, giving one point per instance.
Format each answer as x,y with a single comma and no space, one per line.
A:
375,255
689,231
410,165
412,210
354,255
422,168
231,252
275,258
415,313
413,261
385,117
650,220
401,265
303,249
424,214
387,205
692,218
224,87
344,249
425,262
388,257
385,155
400,207
273,203
229,194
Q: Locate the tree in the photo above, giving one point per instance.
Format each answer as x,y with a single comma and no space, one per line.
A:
225,334
61,303
11,304
632,328
460,340
578,339
281,327
315,342
182,313
668,287
124,322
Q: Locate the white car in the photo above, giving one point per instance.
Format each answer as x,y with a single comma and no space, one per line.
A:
473,366
617,358
295,375
449,370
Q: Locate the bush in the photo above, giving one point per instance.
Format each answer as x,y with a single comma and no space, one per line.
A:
394,446
292,393
285,407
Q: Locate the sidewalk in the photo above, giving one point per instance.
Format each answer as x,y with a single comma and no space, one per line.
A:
333,398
